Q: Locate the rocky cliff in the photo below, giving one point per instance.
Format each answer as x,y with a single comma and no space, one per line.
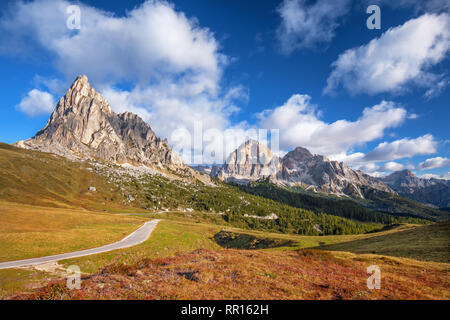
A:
84,126
430,191
300,166
254,161
250,161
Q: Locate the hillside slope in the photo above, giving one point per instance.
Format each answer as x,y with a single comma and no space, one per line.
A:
38,178
240,274
379,206
431,243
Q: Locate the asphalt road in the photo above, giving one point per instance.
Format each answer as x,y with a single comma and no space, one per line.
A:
137,237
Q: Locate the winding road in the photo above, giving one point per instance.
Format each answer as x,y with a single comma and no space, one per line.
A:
135,238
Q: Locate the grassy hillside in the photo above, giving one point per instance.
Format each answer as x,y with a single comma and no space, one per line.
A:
43,179
343,207
183,259
430,243
396,205
241,274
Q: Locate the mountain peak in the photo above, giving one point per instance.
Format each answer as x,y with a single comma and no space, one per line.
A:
300,154
81,80
81,99
252,142
83,125
431,191
251,152
400,175
253,161
406,172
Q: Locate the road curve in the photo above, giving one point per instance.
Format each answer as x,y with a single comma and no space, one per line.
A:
137,237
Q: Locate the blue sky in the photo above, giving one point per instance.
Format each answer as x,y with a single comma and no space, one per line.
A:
376,99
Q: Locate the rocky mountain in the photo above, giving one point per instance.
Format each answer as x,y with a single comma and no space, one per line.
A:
250,161
300,166
84,126
430,191
253,161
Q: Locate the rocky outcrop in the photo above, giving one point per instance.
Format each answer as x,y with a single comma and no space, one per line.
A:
429,191
84,126
250,161
300,166
254,161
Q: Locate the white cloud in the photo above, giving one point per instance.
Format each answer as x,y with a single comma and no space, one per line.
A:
358,161
36,102
433,163
445,176
150,41
403,148
395,166
400,56
170,66
299,124
392,166
308,25
174,110
437,88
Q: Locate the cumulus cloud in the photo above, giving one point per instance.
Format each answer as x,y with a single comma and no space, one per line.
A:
445,176
150,41
392,166
36,102
300,125
400,56
358,161
308,25
433,163
403,148
153,61
173,111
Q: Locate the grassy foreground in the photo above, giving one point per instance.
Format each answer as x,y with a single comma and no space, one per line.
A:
431,243
185,259
243,274
180,236
29,231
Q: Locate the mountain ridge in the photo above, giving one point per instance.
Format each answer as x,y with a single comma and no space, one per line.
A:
83,125
297,168
430,191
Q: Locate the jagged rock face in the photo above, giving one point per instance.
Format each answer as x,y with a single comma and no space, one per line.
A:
83,125
300,166
297,168
251,161
429,191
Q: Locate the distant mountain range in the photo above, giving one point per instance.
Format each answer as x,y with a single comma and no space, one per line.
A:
430,191
254,161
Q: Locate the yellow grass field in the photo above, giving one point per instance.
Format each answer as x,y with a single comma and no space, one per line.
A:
183,259
30,231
